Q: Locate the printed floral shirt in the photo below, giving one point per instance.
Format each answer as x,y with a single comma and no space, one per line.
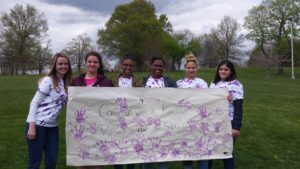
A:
155,83
49,109
235,88
125,82
191,83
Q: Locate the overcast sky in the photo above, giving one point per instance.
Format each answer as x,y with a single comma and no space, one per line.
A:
69,18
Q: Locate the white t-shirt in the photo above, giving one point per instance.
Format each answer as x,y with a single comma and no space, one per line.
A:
191,83
47,103
155,83
235,88
125,82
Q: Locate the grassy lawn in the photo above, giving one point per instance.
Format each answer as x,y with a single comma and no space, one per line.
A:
270,137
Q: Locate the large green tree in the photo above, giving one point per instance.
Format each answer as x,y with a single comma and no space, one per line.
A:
21,32
132,29
269,26
178,43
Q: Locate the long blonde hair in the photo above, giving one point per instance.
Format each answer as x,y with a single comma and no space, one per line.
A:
67,77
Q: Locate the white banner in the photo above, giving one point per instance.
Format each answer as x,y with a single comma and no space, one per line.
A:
108,126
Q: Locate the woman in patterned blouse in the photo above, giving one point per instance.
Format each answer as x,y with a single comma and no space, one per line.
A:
157,80
226,78
41,127
192,81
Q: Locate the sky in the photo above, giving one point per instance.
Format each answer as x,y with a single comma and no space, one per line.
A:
69,18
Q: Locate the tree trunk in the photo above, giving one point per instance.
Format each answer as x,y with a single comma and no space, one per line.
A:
40,70
173,64
280,69
178,64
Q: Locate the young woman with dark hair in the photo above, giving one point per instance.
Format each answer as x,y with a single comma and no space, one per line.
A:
157,80
41,127
94,77
226,78
126,77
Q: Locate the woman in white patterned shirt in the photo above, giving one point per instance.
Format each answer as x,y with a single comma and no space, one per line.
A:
192,81
226,77
41,127
157,80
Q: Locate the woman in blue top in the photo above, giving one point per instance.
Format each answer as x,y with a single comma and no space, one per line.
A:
157,80
226,78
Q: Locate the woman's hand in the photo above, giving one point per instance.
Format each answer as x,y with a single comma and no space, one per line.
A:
235,133
31,131
229,98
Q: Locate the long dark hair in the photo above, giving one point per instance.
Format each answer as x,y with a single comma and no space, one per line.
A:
232,75
52,73
96,54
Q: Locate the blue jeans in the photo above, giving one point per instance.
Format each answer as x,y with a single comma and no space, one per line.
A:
160,165
128,166
202,164
228,163
46,140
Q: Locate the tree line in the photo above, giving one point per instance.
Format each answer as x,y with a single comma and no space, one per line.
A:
136,30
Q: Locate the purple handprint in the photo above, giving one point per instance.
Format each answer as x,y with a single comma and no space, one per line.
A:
184,144
103,147
226,138
78,133
84,152
140,121
122,123
168,133
153,121
184,104
123,150
219,111
122,104
203,113
155,144
111,159
217,126
163,152
138,147
192,124
93,128
204,127
80,115
175,152
211,139
199,145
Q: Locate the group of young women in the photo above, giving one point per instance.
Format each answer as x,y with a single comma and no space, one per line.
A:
51,96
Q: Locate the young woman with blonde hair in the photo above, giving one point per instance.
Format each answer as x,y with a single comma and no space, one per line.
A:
41,127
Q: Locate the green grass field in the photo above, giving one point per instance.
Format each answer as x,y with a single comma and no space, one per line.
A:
270,137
